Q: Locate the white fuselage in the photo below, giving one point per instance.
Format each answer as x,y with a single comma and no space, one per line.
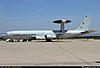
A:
40,34
75,31
43,32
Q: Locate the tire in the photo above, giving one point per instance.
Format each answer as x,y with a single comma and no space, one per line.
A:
24,40
29,40
48,40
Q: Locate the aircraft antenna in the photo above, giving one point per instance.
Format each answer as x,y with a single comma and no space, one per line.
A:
62,22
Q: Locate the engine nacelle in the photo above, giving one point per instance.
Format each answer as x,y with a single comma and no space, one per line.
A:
51,36
46,37
38,37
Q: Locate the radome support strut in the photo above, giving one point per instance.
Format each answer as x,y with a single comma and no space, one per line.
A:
62,22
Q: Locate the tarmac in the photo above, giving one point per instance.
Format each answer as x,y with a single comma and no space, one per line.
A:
76,52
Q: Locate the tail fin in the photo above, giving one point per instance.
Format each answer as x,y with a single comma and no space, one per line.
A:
85,24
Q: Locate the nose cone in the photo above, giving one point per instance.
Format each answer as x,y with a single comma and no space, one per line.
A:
61,21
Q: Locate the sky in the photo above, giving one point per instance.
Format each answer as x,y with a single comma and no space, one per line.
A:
40,14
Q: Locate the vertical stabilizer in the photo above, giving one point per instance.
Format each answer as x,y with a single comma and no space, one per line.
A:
85,24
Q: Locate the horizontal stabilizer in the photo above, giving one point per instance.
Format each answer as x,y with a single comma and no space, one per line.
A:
89,31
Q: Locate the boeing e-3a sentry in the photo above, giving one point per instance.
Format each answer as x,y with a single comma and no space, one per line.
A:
48,35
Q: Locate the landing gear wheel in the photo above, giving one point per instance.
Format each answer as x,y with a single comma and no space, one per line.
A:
48,40
29,40
24,40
